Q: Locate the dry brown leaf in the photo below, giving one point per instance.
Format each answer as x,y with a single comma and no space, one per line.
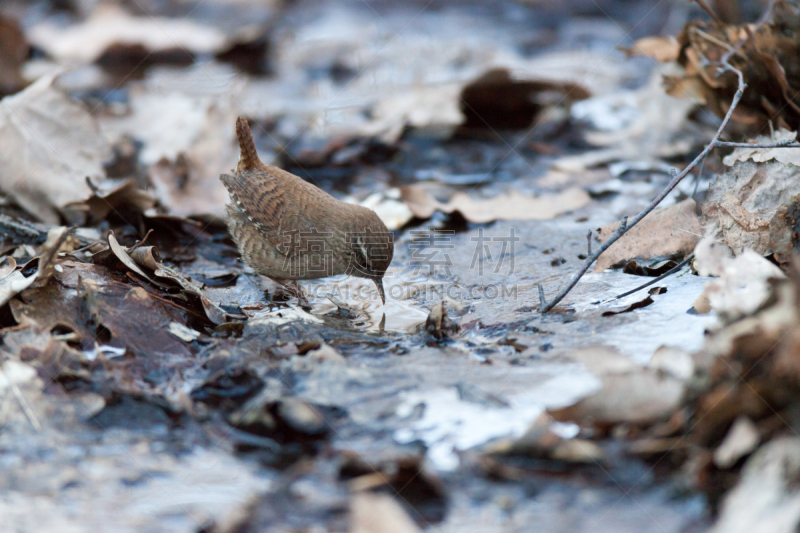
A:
516,206
671,230
493,100
433,109
497,100
762,155
149,333
765,62
113,195
48,146
163,276
755,205
14,282
122,254
511,206
663,49
110,25
630,393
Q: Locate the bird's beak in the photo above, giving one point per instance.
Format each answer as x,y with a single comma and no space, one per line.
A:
379,284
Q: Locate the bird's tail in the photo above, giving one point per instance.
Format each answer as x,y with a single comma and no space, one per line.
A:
248,160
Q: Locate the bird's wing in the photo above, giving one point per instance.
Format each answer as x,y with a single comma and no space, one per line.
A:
258,195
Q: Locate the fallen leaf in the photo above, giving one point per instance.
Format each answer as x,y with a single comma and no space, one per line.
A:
497,100
663,49
630,393
516,206
433,109
149,335
59,304
762,155
743,285
663,233
110,25
755,205
511,206
122,254
48,145
644,302
14,282
711,257
115,195
765,63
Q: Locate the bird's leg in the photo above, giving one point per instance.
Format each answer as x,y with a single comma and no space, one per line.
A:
293,288
300,294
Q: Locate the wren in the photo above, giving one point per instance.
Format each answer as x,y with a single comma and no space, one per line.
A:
288,229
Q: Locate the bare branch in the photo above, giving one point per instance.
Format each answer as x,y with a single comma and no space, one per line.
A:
589,243
666,274
723,67
786,143
542,300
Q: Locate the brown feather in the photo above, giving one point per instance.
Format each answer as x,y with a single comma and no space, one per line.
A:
249,159
279,221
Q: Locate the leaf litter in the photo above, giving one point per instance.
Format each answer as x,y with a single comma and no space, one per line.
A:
139,348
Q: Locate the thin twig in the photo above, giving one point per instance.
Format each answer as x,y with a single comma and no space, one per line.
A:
699,177
658,199
786,143
542,300
723,67
659,278
589,243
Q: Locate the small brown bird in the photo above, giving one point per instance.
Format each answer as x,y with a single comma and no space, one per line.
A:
287,229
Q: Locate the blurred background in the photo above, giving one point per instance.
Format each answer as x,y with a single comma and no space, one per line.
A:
538,120
356,95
